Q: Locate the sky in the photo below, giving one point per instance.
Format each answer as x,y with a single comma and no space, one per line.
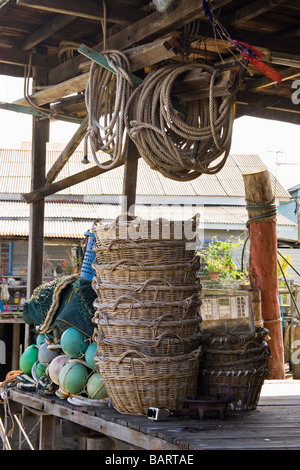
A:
276,143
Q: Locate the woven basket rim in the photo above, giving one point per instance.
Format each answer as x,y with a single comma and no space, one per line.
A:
195,354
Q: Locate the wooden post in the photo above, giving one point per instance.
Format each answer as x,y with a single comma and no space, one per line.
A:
130,178
47,425
263,261
40,136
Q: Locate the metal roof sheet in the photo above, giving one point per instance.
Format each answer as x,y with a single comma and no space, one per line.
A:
72,220
15,167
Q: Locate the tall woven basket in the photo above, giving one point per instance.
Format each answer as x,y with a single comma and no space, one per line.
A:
148,332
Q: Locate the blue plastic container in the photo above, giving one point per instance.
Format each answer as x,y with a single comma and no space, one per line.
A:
87,272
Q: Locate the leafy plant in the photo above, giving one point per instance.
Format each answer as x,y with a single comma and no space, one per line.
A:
218,257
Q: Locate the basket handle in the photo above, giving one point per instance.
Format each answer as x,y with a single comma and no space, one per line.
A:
117,219
128,261
167,333
141,356
127,297
155,279
118,241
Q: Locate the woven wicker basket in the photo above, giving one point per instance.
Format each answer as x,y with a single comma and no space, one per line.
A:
127,307
128,271
242,386
148,252
152,290
140,229
223,341
167,344
134,382
250,350
147,330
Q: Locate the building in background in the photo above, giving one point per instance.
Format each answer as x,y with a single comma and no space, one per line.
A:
69,214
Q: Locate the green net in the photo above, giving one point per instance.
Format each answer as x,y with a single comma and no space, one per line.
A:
60,304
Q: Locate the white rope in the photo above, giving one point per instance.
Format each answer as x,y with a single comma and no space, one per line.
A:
106,96
179,147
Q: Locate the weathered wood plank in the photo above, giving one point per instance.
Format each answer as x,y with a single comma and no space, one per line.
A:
113,430
251,10
45,31
67,152
139,57
184,12
87,9
53,188
270,427
16,57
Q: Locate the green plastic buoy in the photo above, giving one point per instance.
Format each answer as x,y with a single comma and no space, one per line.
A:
73,377
40,370
73,343
28,358
89,356
95,387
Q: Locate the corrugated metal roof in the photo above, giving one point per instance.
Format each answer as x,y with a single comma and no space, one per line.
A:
15,177
72,220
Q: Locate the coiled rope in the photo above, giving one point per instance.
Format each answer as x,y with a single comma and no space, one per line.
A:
180,147
106,96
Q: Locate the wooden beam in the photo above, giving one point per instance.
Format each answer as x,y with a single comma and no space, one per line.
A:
152,27
256,105
16,57
139,57
18,108
44,191
67,152
88,9
251,10
47,30
258,83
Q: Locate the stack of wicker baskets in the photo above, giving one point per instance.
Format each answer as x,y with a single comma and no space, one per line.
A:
147,315
234,366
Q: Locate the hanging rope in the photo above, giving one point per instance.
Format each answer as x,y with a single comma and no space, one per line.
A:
106,96
180,147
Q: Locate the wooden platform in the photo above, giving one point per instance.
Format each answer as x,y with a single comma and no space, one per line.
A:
274,425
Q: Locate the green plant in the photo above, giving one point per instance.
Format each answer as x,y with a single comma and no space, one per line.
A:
218,257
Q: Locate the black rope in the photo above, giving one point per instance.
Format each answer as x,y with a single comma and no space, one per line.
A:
270,211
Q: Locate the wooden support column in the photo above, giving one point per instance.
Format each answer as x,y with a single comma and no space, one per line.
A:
263,261
130,178
40,136
47,425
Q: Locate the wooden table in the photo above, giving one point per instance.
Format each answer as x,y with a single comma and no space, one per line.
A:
273,425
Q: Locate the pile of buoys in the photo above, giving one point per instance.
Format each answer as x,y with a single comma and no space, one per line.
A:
69,366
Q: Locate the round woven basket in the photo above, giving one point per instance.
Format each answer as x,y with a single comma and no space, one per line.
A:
241,386
134,382
224,340
127,307
128,271
167,344
128,227
250,351
152,290
148,252
147,330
